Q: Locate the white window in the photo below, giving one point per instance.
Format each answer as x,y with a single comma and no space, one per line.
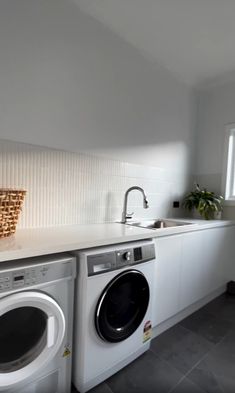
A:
229,165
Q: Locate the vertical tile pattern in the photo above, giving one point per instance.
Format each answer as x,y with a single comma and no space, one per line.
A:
73,188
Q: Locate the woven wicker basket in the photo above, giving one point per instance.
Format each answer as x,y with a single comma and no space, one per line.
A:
10,206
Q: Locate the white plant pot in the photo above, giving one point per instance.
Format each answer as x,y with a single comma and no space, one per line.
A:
218,216
197,216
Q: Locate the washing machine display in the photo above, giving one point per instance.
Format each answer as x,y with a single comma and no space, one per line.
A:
122,306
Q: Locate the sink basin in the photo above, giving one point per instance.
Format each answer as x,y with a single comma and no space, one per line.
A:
158,223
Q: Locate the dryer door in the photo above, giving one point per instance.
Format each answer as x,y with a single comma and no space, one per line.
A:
32,327
122,306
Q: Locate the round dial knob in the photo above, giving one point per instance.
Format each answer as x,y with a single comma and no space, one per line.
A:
127,256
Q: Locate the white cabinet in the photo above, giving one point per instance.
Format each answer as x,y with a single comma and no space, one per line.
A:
205,263
189,267
216,248
167,276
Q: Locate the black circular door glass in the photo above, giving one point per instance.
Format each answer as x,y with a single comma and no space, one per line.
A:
23,336
122,306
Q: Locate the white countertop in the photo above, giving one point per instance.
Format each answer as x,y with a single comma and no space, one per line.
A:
41,241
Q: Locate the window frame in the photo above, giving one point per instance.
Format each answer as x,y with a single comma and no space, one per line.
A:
228,175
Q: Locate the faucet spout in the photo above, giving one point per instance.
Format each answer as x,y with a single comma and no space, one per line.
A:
125,215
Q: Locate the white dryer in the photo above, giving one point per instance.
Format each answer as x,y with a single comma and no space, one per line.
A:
36,314
112,310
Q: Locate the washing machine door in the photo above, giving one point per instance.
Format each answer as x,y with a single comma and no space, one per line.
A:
32,327
122,306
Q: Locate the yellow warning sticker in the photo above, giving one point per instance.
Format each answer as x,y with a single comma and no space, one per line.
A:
147,331
67,352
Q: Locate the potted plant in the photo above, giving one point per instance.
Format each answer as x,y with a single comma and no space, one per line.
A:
206,203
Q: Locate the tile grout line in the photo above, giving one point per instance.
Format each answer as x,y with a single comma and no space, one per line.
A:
190,331
111,391
214,345
199,361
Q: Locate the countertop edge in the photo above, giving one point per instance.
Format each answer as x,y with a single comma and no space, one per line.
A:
34,242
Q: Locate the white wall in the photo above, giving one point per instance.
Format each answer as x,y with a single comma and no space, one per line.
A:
67,82
216,109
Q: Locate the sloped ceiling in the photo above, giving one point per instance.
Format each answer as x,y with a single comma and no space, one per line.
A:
194,39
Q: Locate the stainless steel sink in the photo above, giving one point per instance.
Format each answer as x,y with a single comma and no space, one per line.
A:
158,223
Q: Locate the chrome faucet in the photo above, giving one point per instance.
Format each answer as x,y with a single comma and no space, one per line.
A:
125,215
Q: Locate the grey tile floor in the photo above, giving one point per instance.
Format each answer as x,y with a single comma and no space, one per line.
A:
195,356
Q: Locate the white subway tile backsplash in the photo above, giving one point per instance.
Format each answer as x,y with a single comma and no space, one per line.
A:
68,188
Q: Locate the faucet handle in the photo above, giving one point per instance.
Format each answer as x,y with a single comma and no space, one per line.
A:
146,203
129,216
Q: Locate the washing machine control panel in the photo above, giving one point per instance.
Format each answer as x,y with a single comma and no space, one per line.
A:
107,261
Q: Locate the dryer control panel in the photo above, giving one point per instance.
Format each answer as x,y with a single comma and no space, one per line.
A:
31,275
18,279
106,261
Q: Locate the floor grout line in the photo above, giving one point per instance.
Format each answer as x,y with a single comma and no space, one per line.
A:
214,345
111,391
201,359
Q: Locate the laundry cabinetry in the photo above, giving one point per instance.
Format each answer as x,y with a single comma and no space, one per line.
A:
189,267
205,263
167,277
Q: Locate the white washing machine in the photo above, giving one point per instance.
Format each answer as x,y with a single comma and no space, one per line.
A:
36,317
112,310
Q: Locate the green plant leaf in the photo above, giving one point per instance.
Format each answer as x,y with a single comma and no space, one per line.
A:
207,203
